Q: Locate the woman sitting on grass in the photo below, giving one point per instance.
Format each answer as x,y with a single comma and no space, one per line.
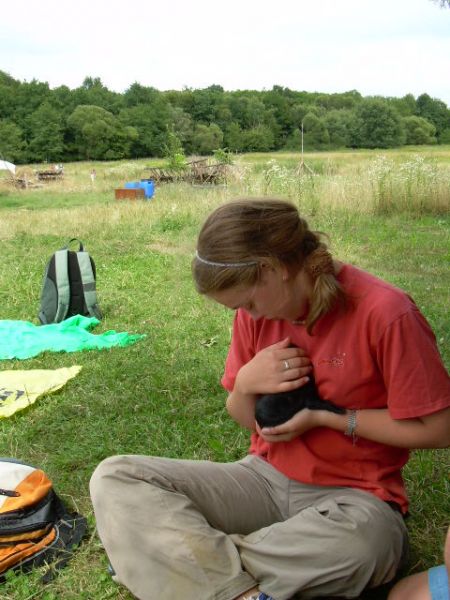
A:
318,505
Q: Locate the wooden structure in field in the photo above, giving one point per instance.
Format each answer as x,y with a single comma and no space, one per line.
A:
196,172
202,173
49,175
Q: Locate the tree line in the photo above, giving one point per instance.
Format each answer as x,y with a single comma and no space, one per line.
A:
40,124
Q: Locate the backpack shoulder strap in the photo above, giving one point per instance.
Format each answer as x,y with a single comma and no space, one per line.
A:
88,283
62,286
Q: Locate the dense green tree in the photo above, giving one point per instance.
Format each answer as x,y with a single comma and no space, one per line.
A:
93,93
444,138
183,126
63,100
377,125
207,138
12,144
258,139
233,137
136,122
6,79
7,97
406,106
435,111
203,103
419,131
98,134
151,122
279,134
248,111
299,111
278,116
294,140
47,135
316,135
223,116
179,99
339,124
347,100
138,94
8,91
27,98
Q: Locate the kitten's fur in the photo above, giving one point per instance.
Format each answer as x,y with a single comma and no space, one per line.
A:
274,409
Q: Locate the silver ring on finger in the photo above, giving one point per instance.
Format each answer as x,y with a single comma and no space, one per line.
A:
287,366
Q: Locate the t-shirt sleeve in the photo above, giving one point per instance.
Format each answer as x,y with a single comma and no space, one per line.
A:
416,380
242,349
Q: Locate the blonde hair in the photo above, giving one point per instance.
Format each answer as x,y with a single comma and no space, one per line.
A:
239,236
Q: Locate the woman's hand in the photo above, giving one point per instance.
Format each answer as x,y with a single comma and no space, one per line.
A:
430,431
277,368
301,422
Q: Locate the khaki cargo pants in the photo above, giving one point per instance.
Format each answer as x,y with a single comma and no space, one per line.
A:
198,530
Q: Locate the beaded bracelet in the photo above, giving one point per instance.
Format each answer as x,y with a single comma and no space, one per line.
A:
351,424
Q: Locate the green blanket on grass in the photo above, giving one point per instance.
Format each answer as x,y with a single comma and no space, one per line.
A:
21,339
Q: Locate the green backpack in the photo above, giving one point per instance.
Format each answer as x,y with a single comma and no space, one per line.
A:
69,286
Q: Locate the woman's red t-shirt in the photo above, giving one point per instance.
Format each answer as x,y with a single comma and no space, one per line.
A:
380,352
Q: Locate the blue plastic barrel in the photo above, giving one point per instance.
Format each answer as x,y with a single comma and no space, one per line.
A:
149,187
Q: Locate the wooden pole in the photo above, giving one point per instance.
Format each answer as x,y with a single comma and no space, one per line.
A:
303,166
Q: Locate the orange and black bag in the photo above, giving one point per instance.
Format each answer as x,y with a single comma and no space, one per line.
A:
36,528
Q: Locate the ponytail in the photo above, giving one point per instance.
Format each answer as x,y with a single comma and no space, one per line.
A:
327,291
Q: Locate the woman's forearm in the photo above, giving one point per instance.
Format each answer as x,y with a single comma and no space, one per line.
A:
431,431
241,408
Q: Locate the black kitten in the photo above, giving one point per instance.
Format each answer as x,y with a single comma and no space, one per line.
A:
274,409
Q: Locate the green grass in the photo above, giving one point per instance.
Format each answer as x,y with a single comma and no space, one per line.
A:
162,395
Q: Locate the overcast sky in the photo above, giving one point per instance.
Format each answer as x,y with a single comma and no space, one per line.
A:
384,47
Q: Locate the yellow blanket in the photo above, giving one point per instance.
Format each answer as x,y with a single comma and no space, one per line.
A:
19,389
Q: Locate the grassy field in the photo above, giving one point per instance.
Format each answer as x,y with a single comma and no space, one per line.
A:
386,212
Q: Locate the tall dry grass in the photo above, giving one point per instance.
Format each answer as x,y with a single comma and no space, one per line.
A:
405,181
379,185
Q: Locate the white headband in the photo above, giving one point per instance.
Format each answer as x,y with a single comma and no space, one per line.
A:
212,263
